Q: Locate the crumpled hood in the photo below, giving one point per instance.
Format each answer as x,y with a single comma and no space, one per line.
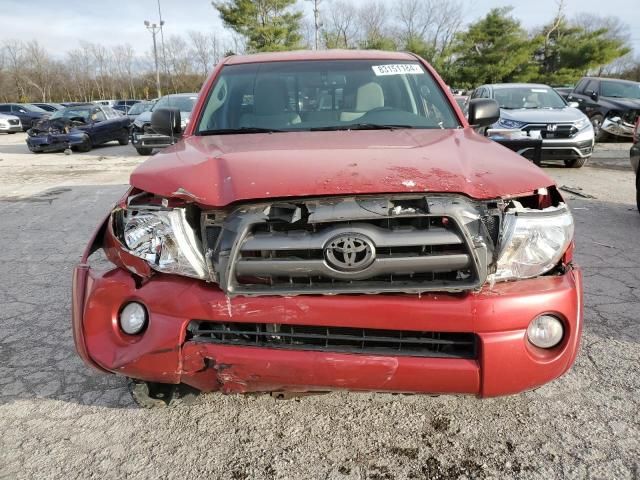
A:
219,170
542,115
56,126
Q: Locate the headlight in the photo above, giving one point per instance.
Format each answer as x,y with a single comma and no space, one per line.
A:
533,242
506,123
582,123
165,240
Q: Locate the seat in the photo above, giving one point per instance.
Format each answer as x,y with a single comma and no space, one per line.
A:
270,106
532,101
368,97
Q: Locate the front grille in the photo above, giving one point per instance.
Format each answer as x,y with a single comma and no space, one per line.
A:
335,339
350,245
14,121
553,130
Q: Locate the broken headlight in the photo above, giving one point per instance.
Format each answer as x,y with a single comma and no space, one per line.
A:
533,242
165,240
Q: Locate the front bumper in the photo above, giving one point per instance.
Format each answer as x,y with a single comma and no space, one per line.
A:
615,126
54,142
10,128
506,362
580,146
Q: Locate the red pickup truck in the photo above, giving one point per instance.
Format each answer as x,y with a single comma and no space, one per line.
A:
331,220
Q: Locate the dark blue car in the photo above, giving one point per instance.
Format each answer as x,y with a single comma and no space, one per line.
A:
79,127
28,114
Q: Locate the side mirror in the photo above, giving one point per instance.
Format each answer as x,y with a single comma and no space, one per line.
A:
593,95
574,104
483,112
166,121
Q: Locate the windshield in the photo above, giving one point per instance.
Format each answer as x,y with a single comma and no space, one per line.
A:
184,103
139,108
324,95
528,97
73,112
620,89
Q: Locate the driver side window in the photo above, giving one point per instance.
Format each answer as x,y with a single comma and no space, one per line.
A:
98,115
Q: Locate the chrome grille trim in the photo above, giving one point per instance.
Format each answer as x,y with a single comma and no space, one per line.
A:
421,244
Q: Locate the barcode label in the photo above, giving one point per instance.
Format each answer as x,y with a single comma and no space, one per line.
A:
397,69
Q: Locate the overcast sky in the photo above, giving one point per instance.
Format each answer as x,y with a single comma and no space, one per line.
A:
60,25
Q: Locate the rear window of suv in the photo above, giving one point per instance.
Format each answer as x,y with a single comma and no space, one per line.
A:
307,95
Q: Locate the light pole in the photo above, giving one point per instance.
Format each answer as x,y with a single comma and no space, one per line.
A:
154,29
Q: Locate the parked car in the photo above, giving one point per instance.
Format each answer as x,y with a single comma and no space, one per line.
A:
124,105
462,101
144,139
539,112
612,105
139,108
634,156
106,103
28,114
10,124
49,107
79,127
381,245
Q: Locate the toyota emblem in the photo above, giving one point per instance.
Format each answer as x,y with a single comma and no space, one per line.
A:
349,252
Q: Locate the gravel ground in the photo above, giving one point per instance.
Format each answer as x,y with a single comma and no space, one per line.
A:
61,420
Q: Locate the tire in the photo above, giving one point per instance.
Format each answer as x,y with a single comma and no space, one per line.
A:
576,162
596,123
86,145
160,395
11,133
144,151
124,139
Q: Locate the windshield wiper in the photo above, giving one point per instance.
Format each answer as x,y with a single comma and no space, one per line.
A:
231,131
360,126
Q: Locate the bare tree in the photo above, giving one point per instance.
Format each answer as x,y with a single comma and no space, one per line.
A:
340,25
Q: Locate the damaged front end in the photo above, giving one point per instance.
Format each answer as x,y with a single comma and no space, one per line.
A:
53,135
391,292
620,124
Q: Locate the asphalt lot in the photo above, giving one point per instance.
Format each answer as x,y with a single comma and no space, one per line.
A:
61,420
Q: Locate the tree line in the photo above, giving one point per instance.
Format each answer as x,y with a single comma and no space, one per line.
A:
495,48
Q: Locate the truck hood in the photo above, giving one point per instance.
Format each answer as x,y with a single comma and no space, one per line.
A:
219,170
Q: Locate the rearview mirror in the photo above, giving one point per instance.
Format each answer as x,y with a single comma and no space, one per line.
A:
166,121
483,112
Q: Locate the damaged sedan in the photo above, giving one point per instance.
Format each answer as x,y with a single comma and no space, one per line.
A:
79,127
368,240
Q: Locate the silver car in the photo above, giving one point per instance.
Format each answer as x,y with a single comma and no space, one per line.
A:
539,112
10,123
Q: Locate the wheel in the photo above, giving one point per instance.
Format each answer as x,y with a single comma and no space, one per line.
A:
638,191
124,139
160,395
596,123
576,162
85,146
144,150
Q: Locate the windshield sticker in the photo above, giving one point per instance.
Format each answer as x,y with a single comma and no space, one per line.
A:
539,90
397,69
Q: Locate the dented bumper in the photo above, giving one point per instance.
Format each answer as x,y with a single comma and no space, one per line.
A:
505,363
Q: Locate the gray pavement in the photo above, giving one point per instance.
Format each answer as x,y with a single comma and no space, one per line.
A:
61,420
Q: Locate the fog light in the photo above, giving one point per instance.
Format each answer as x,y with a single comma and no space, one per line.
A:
133,318
545,331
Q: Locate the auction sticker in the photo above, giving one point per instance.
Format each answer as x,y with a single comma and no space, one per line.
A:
397,69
